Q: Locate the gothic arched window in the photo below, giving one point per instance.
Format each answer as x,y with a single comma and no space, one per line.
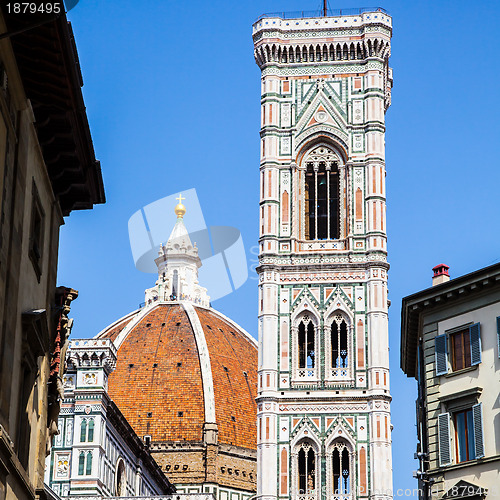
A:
340,351
306,343
90,435
306,469
341,469
81,463
322,187
88,469
120,478
339,348
83,431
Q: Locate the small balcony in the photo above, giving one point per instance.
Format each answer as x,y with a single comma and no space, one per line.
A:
306,374
303,14
308,496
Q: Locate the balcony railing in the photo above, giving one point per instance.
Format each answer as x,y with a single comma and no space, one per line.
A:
302,14
306,373
339,496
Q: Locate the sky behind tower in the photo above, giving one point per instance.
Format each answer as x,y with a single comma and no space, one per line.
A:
173,98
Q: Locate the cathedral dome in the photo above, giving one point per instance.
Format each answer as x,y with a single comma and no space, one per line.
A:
186,377
182,368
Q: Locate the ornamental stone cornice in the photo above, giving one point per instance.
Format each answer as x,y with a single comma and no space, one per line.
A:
348,404
177,446
266,399
294,264
277,69
319,396
274,131
310,32
237,451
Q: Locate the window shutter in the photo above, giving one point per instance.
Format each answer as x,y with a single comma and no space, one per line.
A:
475,344
441,355
477,418
444,438
498,335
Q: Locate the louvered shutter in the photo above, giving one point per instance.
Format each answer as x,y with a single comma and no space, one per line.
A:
477,418
444,438
498,335
475,344
441,354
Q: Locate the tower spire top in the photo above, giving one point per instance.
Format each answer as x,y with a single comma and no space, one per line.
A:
180,209
178,262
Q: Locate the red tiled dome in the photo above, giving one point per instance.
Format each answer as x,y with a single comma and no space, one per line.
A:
162,367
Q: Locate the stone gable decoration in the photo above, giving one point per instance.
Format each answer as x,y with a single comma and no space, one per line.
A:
323,398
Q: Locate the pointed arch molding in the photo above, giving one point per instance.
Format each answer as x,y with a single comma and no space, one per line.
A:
305,430
305,302
316,134
340,430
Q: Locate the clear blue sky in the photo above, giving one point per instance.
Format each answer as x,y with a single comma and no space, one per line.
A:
173,98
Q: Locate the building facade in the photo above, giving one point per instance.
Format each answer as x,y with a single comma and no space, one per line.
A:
324,428
450,343
96,452
47,169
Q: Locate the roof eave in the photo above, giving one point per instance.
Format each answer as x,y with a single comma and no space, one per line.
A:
436,296
50,71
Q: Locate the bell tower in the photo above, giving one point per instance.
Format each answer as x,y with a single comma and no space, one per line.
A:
323,397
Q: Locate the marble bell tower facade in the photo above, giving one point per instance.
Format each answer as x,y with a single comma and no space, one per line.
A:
324,428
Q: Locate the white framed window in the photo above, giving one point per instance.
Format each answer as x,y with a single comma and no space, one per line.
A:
340,470
87,426
458,349
460,435
339,347
323,179
306,465
305,343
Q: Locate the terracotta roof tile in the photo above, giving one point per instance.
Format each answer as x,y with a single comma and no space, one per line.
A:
157,383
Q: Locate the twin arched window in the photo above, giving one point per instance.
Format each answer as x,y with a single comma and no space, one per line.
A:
85,463
337,348
339,468
87,430
322,187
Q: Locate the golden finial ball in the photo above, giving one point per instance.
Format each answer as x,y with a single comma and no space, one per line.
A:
180,210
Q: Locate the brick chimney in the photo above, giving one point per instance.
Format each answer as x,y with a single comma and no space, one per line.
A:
440,274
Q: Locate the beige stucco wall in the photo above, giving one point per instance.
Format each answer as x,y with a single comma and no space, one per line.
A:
21,165
484,472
